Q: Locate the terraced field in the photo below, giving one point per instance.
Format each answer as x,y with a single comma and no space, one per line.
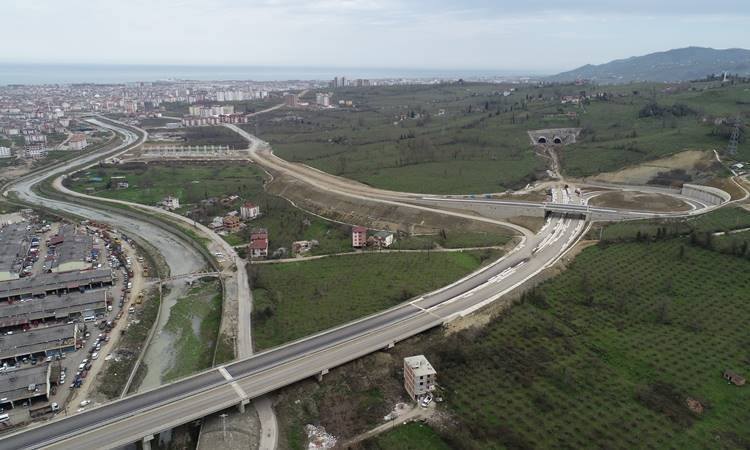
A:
626,349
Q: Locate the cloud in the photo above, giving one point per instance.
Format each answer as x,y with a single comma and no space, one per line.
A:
532,34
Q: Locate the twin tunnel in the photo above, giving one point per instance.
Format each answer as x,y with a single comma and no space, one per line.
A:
543,140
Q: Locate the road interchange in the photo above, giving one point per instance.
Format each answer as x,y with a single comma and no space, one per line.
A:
150,412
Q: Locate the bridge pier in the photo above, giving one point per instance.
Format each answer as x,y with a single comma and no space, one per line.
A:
391,345
146,442
241,405
320,375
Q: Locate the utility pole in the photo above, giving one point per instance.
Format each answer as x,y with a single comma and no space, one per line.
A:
734,137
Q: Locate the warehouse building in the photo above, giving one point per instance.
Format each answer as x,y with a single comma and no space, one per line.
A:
54,307
38,342
28,383
14,246
54,283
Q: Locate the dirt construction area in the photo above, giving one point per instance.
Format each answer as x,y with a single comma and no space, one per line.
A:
640,201
372,214
690,161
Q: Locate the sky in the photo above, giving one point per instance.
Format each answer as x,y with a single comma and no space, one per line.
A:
534,36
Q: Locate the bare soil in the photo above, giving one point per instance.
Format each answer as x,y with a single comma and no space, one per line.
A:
689,161
371,214
640,200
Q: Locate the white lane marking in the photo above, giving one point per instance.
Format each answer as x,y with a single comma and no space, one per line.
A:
425,310
243,395
225,374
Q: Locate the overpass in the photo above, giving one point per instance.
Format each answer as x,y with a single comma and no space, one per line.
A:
140,416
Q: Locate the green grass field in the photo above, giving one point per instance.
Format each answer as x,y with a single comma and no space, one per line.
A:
723,219
293,300
149,184
608,353
471,139
412,436
195,320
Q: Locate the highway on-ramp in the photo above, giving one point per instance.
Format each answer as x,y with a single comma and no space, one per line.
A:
144,414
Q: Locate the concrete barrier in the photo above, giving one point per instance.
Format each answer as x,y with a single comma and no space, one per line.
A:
707,194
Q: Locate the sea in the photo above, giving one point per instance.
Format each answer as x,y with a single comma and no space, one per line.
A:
37,74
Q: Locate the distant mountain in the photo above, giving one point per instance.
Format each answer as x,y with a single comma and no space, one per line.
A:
680,64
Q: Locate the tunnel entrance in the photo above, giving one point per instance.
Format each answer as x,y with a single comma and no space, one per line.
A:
542,140
557,140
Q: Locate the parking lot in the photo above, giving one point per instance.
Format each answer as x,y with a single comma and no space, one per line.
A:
93,315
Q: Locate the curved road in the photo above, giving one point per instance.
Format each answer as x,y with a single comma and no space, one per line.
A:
150,412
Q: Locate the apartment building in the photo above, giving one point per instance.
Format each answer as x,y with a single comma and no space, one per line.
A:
419,376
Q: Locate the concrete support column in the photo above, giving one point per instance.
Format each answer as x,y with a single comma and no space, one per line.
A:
146,442
320,375
241,406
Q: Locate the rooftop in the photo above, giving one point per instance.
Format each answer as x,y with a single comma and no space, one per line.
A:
36,340
14,384
45,282
419,365
59,306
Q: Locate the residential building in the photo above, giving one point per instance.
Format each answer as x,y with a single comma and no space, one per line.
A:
77,142
216,222
322,99
249,211
419,376
291,100
231,224
170,203
5,152
35,150
259,243
382,239
299,247
359,237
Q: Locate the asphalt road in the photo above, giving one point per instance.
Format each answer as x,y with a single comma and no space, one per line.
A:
180,258
131,418
150,412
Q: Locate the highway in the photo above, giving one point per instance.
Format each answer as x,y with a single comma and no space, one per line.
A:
138,416
180,258
134,417
144,414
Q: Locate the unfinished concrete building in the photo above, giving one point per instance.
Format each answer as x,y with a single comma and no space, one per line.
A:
419,376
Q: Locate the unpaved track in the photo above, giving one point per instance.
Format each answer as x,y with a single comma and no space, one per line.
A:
263,156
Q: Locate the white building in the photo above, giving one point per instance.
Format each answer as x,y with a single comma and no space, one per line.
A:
249,211
5,152
323,99
419,376
170,203
77,142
